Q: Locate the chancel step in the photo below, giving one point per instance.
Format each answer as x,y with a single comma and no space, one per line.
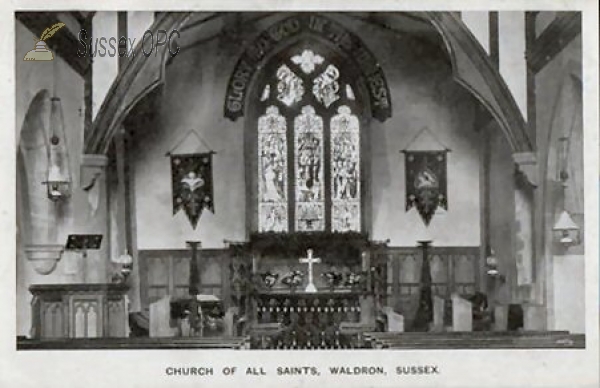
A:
475,340
135,343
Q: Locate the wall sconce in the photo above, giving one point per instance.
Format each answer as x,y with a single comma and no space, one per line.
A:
491,263
125,264
59,177
566,230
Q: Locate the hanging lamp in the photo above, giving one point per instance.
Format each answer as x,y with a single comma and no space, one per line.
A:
58,176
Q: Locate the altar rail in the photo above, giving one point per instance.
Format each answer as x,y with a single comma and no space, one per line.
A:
300,320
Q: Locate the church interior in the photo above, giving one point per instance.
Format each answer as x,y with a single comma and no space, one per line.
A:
296,180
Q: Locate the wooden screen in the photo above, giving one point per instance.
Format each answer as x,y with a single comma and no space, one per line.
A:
453,269
167,272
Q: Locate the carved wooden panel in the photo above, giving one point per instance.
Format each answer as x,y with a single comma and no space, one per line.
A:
78,310
86,315
167,272
453,269
53,320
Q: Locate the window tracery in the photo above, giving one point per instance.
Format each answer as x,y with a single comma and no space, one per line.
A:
326,86
307,61
290,87
266,93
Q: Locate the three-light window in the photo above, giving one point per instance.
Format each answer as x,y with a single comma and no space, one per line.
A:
309,158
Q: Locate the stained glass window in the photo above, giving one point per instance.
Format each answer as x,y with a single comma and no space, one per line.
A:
309,144
350,93
326,86
307,61
266,92
310,188
290,87
272,171
345,171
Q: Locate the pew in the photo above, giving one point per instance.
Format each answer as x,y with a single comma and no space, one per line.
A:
160,319
462,314
395,321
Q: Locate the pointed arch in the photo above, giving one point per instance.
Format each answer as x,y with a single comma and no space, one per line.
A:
306,125
32,168
270,42
473,69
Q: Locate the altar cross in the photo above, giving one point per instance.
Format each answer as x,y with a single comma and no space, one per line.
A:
310,260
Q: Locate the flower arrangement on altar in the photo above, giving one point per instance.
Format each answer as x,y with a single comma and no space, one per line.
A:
269,278
333,278
293,279
354,279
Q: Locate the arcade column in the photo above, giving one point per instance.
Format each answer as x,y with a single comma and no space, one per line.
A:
92,217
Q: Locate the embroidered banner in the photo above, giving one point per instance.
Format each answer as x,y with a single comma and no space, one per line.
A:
426,182
192,184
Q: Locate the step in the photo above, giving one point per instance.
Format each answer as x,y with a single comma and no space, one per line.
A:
133,343
486,334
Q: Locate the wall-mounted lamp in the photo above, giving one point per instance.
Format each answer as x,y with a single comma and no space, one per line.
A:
491,263
566,230
59,177
125,264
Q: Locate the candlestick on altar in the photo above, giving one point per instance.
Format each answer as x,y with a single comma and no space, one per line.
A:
310,260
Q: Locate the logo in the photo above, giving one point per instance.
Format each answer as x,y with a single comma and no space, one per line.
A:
41,52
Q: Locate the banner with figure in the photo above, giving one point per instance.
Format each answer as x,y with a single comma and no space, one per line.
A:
426,182
192,184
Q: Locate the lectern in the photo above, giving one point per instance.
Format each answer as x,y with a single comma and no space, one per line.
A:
82,243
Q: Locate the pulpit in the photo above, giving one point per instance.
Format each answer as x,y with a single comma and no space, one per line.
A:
79,310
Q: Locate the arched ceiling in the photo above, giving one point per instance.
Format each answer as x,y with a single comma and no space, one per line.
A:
471,66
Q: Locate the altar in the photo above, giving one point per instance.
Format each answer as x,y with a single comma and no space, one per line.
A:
306,291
